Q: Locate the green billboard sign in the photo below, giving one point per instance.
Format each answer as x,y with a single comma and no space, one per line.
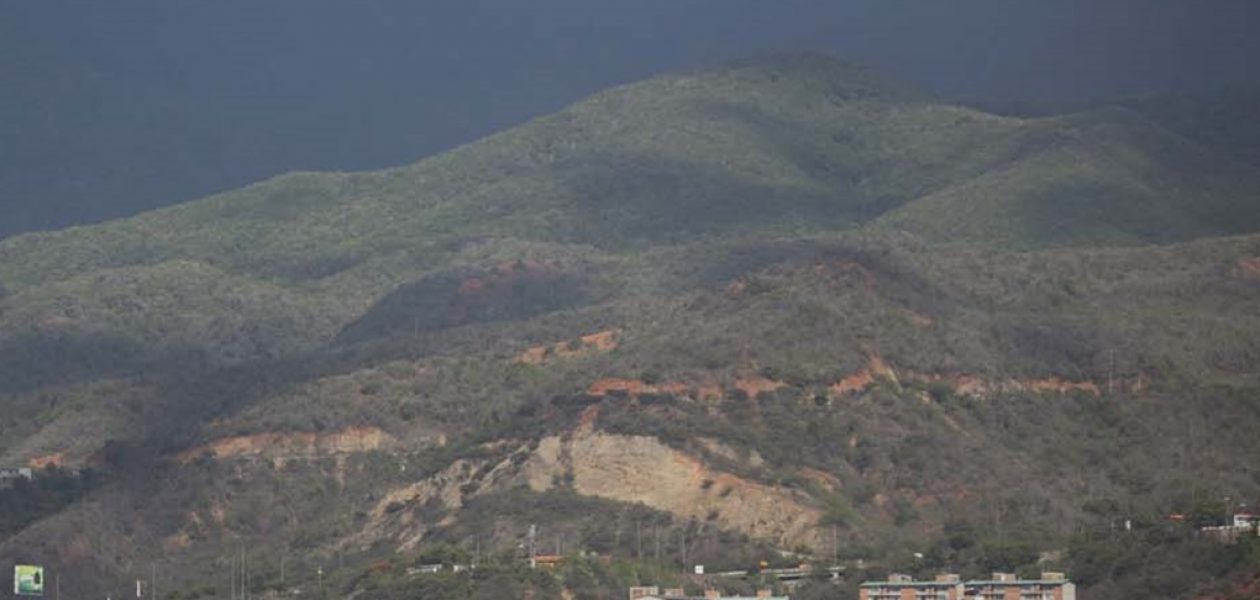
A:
28,580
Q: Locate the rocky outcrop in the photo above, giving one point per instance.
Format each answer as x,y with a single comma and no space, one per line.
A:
641,469
623,468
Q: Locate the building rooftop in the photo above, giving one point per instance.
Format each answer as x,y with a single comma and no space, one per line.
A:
913,583
1048,578
655,593
663,597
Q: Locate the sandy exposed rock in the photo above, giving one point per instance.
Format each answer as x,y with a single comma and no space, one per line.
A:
278,445
642,469
717,448
635,469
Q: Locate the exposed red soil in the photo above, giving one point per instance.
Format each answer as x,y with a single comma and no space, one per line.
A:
636,387
695,391
756,385
51,460
279,445
970,385
1055,384
603,341
876,368
1250,266
505,274
853,384
500,285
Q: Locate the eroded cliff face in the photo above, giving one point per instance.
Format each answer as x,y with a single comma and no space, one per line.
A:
625,468
642,469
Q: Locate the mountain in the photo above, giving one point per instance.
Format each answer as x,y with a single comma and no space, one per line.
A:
1224,120
779,307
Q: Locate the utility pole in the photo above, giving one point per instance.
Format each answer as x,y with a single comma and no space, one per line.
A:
682,535
656,530
835,546
1111,372
244,575
533,535
638,539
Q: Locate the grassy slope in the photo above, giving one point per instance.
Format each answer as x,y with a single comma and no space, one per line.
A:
1105,176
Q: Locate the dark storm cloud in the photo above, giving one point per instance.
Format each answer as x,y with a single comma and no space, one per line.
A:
112,107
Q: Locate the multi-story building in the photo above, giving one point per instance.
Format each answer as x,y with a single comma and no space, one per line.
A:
654,593
904,587
1006,586
1002,586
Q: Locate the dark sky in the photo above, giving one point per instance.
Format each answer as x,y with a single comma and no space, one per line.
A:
111,107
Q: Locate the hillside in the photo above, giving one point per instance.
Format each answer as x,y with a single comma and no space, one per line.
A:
781,305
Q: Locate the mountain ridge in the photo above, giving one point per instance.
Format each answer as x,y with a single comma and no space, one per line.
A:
804,282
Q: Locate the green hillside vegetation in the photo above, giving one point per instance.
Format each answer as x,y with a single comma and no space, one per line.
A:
1090,183
979,338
